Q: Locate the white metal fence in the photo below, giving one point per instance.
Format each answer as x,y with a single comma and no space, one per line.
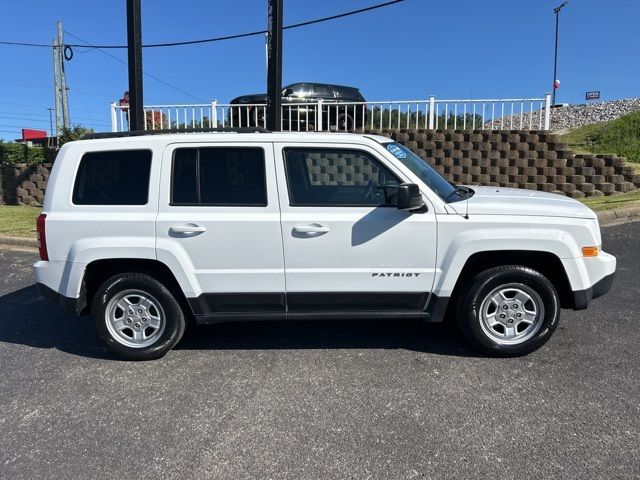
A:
319,115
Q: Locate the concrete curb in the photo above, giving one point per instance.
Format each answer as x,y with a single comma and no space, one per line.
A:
18,242
619,215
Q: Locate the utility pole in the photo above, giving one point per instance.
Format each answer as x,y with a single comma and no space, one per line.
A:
134,44
63,79
49,141
274,67
555,55
56,87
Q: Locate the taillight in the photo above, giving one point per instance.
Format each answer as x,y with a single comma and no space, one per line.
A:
42,237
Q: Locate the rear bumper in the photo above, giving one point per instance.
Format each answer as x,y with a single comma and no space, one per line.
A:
62,282
582,298
69,305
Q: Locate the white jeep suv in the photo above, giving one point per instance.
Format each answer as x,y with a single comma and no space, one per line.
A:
145,232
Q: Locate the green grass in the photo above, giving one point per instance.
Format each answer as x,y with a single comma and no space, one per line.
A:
620,136
614,201
18,221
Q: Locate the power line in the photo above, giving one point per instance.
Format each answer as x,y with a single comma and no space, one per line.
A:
28,105
153,77
27,119
46,120
25,44
21,113
262,32
35,85
68,75
215,39
30,115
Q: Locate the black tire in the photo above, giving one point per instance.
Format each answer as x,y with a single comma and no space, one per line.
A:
174,319
476,290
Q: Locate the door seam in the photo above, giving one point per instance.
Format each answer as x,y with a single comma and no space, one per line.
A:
284,258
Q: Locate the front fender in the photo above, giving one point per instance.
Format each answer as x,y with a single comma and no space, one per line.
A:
459,239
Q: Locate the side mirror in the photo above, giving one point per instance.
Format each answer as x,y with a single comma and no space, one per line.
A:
409,197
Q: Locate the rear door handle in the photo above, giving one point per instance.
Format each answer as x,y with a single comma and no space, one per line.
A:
190,228
312,228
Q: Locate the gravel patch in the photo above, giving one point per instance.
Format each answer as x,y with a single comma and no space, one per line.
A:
572,116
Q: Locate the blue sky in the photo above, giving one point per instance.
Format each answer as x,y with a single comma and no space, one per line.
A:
453,49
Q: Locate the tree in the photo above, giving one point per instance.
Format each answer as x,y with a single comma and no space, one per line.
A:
74,133
155,120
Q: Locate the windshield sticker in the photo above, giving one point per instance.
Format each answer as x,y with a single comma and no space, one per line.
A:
396,151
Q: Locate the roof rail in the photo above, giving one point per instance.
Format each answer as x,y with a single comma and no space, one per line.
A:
139,133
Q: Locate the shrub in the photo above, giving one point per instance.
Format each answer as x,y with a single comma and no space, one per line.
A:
620,136
11,153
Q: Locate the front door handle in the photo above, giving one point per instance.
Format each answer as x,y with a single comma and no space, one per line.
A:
189,228
311,228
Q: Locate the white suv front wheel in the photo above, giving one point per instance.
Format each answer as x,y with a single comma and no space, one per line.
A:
137,317
508,310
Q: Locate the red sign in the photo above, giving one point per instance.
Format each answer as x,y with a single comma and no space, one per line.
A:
28,134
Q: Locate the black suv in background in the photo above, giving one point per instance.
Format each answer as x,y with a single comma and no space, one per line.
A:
297,116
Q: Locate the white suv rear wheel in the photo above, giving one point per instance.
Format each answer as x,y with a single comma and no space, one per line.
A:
137,317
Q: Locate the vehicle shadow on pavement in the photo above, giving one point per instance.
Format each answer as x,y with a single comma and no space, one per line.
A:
335,334
28,319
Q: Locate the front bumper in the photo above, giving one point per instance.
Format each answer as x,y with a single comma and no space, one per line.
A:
582,298
589,277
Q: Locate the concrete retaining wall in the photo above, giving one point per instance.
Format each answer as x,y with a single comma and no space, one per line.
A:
534,160
22,184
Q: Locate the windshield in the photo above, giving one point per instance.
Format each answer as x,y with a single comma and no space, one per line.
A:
424,172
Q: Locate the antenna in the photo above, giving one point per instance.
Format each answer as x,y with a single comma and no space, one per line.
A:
466,205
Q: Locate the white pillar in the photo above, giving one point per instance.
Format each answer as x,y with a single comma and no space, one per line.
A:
114,117
213,120
319,107
432,111
547,111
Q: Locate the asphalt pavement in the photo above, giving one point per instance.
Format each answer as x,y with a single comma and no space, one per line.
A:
338,399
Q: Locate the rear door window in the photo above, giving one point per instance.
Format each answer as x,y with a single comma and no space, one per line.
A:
223,176
118,177
301,90
322,91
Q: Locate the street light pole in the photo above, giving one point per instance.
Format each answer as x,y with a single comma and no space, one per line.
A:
555,55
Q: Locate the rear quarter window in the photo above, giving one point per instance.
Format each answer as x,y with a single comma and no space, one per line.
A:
350,93
118,177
